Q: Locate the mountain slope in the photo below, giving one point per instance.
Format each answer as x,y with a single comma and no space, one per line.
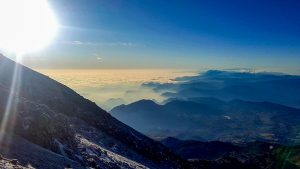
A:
252,155
56,118
213,119
191,149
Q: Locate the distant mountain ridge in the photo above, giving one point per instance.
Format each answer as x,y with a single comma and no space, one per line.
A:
213,119
228,85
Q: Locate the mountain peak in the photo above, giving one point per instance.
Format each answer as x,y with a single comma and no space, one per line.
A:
145,102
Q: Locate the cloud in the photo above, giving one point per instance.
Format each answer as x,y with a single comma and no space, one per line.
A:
82,43
98,57
123,44
128,44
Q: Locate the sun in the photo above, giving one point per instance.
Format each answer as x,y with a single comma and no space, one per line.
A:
26,25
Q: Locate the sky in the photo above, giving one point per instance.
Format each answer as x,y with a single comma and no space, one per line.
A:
178,34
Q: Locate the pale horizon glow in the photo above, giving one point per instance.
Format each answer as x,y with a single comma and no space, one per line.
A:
26,26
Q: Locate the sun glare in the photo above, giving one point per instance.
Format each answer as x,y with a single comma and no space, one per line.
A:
26,25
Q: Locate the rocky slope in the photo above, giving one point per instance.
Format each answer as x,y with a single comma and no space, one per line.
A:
57,128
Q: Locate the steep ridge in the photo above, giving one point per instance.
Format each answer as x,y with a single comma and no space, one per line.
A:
56,118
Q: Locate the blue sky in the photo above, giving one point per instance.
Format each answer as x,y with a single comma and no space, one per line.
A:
190,34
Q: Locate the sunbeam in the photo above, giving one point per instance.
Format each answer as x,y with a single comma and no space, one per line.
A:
12,99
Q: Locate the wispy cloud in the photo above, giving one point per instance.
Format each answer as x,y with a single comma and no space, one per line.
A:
98,57
128,44
82,43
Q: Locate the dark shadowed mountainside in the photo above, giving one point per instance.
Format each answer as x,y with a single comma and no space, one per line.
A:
226,155
212,119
